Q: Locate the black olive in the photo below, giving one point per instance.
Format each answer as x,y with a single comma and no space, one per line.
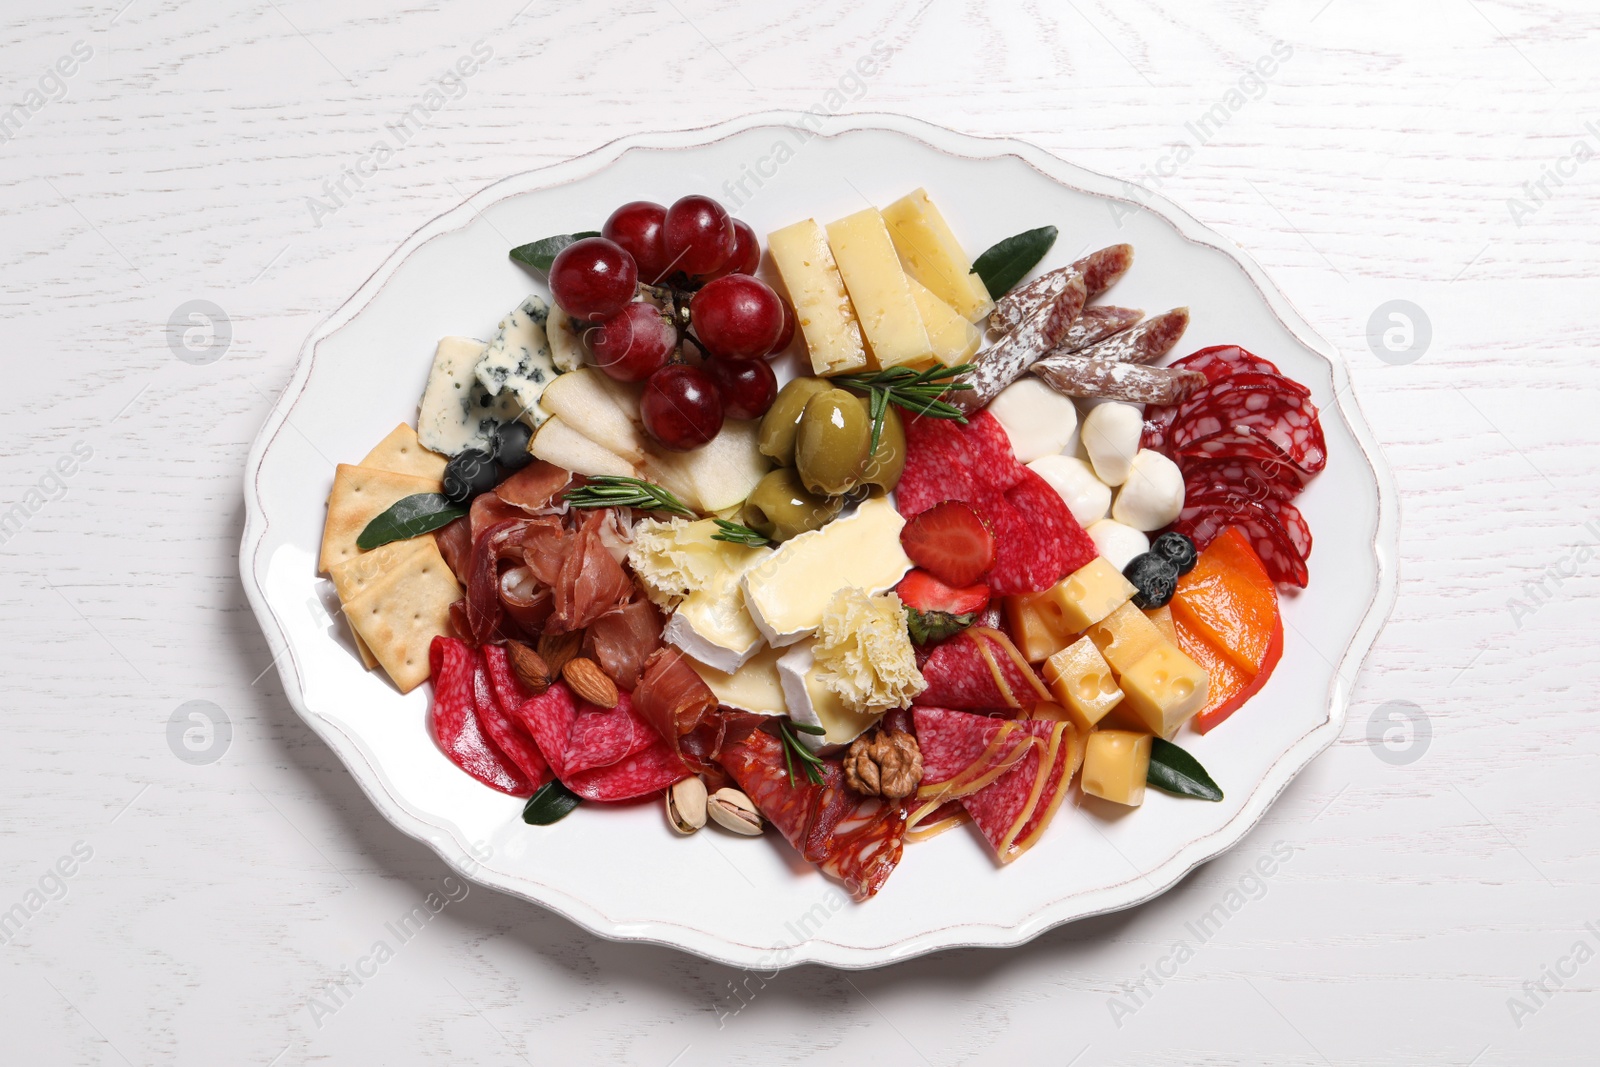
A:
468,474
1155,578
1176,549
511,445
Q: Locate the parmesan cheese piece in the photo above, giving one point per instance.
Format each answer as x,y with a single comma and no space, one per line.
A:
932,255
863,651
878,290
821,307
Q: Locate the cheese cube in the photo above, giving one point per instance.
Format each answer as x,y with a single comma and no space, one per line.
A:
1162,618
1115,763
821,305
1079,678
1125,636
1164,688
1036,626
932,255
954,339
1089,594
878,289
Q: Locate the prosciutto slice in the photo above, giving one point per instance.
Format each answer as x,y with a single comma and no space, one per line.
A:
854,839
534,486
591,582
673,698
622,640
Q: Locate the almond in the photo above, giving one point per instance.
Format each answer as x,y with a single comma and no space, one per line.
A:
529,667
589,682
556,649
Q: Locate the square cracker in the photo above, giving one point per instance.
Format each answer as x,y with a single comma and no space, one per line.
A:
402,453
400,612
361,494
361,570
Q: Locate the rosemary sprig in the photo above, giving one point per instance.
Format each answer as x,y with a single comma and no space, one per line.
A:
919,392
793,749
615,491
739,534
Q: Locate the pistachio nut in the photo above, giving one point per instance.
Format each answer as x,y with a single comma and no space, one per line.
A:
732,810
686,805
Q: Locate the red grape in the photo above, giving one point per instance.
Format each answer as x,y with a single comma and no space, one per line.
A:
680,407
634,343
787,334
593,278
737,317
637,227
746,254
699,235
747,386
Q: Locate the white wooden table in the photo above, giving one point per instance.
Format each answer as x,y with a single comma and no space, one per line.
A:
193,910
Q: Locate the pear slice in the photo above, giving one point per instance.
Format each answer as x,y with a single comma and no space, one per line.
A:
716,476
558,443
605,411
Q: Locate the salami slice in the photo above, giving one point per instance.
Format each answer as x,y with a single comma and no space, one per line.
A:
980,669
1294,524
1063,750
962,753
597,753
496,696
1098,271
1031,340
453,719
601,737
1258,478
1003,810
641,774
1158,429
1289,424
1223,361
1038,542
1095,324
1114,380
1202,522
857,840
939,466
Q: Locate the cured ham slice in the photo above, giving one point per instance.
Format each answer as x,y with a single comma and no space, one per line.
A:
980,669
854,839
590,582
623,639
453,719
534,486
672,698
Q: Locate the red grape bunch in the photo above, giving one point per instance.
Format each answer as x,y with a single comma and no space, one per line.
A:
708,259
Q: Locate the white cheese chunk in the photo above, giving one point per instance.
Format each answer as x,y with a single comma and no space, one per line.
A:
810,701
1153,494
754,687
1087,497
518,360
566,346
864,653
457,412
1118,543
1111,434
788,593
1038,420
712,624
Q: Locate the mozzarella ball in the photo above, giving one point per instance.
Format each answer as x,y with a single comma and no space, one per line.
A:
1111,435
1118,543
1086,496
1038,420
1153,494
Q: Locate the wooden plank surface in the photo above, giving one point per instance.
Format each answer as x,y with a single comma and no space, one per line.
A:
210,904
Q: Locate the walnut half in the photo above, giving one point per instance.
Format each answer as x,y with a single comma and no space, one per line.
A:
884,763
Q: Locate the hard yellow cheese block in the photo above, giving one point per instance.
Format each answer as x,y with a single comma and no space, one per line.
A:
878,289
1115,763
821,305
954,340
1125,636
1164,688
932,255
1082,682
788,592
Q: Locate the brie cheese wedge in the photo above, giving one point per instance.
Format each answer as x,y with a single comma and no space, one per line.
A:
809,701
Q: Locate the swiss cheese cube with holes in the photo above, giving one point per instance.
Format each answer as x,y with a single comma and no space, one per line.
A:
1164,688
1115,764
1124,636
1081,681
1089,594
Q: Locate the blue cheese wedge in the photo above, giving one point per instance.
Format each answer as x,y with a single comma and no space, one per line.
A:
457,412
788,592
518,361
809,700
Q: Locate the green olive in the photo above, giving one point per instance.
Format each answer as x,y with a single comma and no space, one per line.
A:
780,507
884,465
782,419
833,443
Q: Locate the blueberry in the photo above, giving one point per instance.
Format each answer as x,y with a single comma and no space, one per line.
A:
468,474
511,445
1177,550
1155,578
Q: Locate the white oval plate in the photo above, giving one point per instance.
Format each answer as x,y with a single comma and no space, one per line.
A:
621,872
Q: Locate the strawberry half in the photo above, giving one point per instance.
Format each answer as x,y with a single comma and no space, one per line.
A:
952,541
925,593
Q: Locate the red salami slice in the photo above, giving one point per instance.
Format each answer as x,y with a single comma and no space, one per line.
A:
1158,420
1063,764
1289,424
1202,522
1259,479
1222,361
496,696
857,840
601,737
979,669
1003,810
989,451
1037,540
939,466
1294,524
963,752
1275,384
453,719
640,774
549,718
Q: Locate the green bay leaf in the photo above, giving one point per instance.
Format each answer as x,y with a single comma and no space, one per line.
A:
1006,263
1174,770
541,253
409,517
550,803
